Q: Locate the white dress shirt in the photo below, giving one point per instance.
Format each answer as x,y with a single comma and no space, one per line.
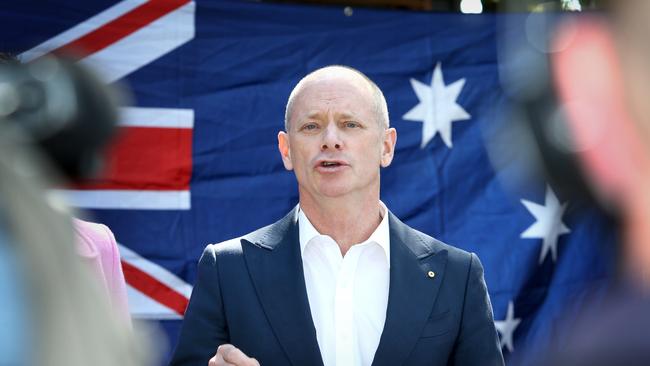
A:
347,295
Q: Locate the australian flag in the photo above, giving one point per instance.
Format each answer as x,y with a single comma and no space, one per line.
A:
196,160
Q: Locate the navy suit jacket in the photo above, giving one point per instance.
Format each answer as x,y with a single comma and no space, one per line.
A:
250,292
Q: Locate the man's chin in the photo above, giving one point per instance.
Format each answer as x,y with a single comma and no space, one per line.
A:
334,190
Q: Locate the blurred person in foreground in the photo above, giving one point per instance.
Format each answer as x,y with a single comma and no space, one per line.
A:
95,243
54,118
600,68
339,280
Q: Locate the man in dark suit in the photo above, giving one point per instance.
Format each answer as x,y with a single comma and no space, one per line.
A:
339,280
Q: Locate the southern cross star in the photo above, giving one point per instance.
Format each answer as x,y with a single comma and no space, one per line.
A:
437,108
548,225
507,327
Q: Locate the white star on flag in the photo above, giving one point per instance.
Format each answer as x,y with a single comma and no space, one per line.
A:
548,225
507,327
437,108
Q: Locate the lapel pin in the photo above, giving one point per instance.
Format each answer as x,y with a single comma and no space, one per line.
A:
431,274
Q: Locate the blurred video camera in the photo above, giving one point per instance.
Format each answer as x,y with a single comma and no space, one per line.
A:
62,108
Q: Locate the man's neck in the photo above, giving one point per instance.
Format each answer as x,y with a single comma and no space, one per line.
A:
347,220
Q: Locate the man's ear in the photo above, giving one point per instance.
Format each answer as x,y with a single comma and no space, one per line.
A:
285,152
388,146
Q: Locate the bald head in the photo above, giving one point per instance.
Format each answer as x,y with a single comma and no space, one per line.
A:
330,73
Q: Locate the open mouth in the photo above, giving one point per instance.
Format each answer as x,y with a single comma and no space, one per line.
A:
330,164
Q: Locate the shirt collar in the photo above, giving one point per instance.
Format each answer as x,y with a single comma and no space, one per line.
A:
381,235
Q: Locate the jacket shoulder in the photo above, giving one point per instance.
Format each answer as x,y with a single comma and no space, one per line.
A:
266,237
424,245
224,248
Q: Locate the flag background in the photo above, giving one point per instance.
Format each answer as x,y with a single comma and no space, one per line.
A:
228,76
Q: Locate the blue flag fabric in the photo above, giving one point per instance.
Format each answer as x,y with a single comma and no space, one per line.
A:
234,71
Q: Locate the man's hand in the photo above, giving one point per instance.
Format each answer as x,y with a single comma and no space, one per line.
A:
228,355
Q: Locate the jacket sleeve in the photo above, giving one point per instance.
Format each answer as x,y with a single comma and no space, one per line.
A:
478,342
204,325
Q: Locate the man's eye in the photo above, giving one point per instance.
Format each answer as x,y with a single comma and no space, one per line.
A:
351,124
310,126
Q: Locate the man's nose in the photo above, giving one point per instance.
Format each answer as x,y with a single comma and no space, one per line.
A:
331,138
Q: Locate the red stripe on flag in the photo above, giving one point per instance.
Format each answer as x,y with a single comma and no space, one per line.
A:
153,288
147,158
121,27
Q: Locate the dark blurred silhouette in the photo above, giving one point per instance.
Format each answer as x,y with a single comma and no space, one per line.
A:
55,117
585,103
70,117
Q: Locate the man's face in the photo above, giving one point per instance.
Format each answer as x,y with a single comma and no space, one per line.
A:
335,143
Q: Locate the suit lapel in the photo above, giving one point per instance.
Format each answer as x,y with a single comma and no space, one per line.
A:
275,265
412,292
